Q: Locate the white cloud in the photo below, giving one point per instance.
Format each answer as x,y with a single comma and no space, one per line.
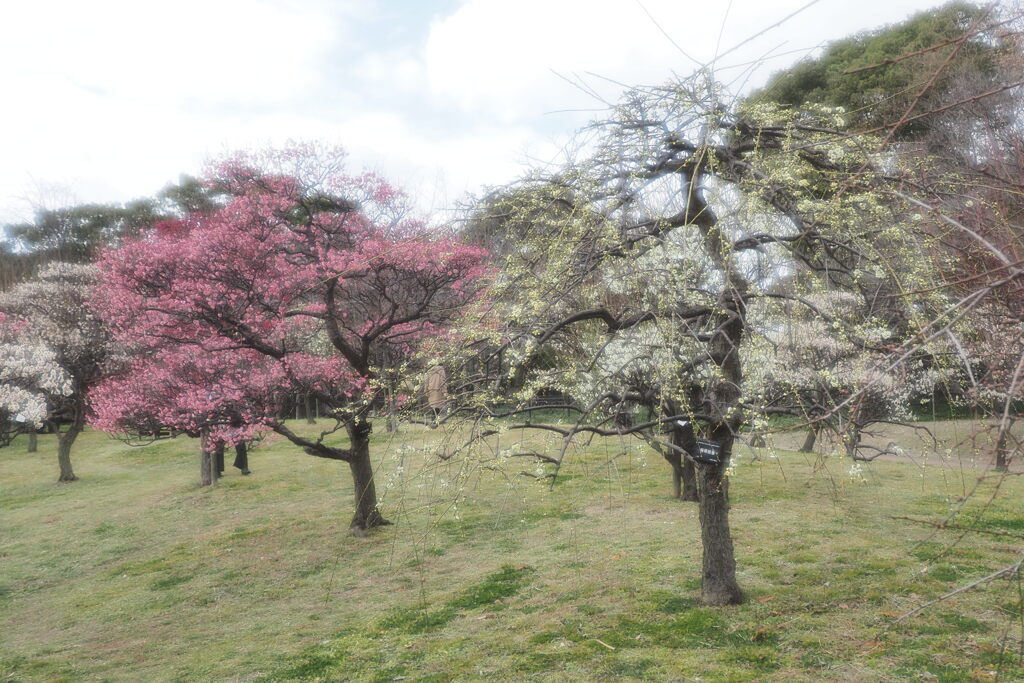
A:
499,57
118,97
190,52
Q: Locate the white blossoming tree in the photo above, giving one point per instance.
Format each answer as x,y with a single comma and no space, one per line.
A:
30,381
55,349
825,360
678,219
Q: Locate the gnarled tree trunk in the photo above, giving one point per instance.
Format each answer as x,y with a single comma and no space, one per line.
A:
811,439
675,460
367,516
718,585
64,442
691,491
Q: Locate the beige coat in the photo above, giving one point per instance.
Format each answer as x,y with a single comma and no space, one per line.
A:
436,386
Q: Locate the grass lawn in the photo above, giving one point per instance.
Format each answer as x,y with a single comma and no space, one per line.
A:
135,573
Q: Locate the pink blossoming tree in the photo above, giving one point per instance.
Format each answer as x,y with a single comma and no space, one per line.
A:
224,398
316,274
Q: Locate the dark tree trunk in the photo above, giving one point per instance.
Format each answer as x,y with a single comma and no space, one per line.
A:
719,585
691,492
33,441
812,438
1002,464
310,417
675,460
64,443
684,474
367,515
242,457
684,480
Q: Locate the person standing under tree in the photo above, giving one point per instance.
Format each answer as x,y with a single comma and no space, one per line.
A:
435,385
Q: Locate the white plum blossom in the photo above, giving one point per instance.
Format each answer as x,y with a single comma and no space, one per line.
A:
825,361
29,376
51,310
53,349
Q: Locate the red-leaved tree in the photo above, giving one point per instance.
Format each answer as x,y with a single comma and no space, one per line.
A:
318,273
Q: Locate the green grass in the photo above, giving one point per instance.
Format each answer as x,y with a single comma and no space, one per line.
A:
135,573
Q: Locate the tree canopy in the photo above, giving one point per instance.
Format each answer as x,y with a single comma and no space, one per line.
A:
316,275
906,71
50,314
674,249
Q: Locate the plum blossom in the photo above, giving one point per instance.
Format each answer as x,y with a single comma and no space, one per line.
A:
306,281
53,349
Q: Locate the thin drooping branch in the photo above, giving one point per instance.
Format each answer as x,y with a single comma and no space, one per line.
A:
1004,572
959,527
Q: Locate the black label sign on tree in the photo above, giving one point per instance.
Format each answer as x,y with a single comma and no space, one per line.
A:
708,452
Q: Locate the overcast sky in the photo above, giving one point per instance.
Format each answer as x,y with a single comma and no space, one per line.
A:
106,100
